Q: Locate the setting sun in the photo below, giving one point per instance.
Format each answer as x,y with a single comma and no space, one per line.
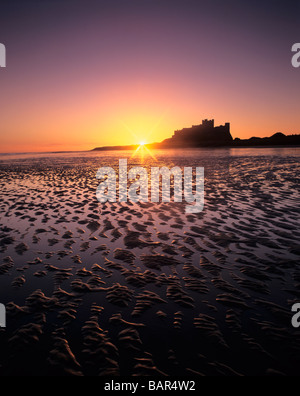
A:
142,150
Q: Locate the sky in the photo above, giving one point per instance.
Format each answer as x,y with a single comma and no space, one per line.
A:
86,73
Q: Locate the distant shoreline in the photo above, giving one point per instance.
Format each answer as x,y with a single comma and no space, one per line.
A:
276,140
156,146
123,148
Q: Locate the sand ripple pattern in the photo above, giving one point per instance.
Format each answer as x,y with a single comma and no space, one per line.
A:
144,289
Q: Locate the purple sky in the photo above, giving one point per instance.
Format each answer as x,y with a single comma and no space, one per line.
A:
87,73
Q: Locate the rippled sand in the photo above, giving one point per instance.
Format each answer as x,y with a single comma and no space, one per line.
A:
144,289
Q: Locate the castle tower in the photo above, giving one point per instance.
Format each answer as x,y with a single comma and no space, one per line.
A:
208,123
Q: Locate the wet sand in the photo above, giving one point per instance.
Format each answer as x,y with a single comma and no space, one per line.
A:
144,288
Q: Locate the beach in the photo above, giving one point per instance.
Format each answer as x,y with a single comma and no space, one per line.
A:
144,288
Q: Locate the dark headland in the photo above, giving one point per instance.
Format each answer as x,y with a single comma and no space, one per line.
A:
209,135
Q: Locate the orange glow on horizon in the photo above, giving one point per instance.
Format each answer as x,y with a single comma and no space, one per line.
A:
128,115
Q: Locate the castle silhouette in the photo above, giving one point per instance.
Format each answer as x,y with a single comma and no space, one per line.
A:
205,134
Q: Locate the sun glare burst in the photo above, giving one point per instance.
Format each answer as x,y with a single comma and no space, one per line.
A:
143,150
